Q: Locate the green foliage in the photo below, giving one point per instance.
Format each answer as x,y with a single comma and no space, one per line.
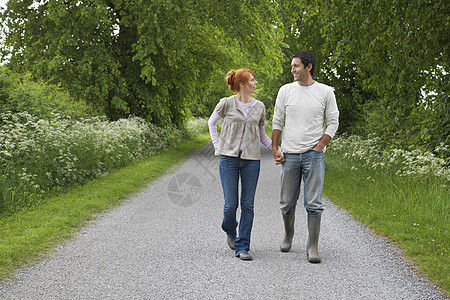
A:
397,49
19,93
39,157
434,113
302,23
382,57
290,17
402,195
165,60
153,59
370,153
29,234
64,43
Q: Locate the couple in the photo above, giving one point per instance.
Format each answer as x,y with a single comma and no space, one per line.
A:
307,115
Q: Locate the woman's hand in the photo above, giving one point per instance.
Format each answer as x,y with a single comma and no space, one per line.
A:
278,156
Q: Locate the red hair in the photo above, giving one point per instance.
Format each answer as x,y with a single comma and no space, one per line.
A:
235,78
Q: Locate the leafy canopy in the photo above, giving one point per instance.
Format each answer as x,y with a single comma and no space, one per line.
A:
156,59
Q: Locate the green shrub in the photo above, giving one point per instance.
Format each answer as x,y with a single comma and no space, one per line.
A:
400,194
42,156
197,126
370,153
19,93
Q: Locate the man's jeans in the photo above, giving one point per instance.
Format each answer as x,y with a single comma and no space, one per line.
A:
231,168
311,166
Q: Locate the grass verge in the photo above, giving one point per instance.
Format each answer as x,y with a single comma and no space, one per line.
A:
29,235
410,211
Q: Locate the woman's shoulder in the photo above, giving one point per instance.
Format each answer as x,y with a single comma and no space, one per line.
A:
259,103
227,100
224,105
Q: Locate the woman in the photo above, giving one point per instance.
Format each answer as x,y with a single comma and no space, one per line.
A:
239,151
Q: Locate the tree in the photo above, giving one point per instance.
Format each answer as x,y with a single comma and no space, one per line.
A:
155,59
302,23
382,57
397,49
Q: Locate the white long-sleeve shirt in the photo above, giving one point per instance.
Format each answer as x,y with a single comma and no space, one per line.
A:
304,114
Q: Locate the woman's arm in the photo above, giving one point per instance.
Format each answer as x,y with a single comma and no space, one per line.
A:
265,140
212,124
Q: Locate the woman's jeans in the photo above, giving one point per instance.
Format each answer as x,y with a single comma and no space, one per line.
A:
231,168
311,167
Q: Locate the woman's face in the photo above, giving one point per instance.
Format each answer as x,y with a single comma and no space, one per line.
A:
250,86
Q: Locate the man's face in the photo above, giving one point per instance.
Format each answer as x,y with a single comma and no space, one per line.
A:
299,71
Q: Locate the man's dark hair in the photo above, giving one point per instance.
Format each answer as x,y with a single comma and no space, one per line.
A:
307,58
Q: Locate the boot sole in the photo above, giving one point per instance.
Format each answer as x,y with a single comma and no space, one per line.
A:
314,260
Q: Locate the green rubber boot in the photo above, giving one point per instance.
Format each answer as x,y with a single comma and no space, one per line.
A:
312,249
286,243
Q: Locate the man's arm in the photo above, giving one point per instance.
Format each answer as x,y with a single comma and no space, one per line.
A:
331,116
322,143
332,121
278,122
277,154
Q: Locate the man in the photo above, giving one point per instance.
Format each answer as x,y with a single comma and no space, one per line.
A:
306,115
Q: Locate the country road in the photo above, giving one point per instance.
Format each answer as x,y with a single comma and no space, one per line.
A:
165,242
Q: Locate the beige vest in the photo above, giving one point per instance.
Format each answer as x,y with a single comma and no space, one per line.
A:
234,123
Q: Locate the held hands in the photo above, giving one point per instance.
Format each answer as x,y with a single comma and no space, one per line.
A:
278,156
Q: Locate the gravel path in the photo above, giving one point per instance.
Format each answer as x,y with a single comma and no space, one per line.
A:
166,243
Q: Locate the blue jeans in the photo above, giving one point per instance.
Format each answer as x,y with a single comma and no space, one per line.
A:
231,168
311,167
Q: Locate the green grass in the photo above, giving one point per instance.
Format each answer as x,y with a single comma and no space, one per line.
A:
29,235
410,211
